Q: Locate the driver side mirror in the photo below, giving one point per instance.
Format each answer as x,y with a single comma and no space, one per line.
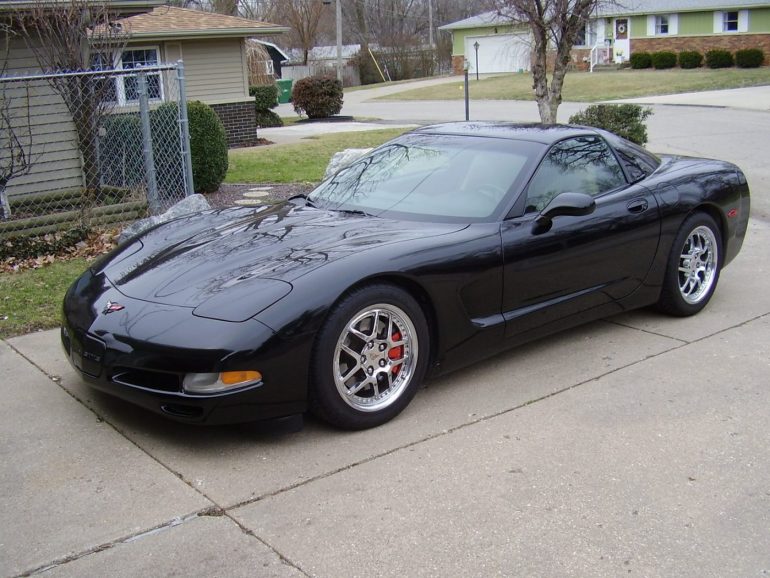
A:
563,205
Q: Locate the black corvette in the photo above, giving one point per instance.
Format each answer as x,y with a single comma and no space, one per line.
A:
437,249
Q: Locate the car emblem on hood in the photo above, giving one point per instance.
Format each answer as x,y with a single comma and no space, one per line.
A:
112,307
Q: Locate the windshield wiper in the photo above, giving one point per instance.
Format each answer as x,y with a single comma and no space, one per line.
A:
354,212
304,197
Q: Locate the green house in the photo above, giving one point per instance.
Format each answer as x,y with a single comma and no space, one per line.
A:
489,43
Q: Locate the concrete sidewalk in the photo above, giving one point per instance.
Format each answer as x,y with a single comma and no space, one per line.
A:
634,444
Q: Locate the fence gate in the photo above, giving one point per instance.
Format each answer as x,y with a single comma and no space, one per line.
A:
83,149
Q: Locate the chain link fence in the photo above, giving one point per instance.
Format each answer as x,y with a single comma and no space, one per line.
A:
85,149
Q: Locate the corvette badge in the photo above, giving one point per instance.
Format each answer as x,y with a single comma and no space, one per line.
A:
112,307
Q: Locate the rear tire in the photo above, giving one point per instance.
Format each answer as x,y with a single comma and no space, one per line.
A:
369,358
693,267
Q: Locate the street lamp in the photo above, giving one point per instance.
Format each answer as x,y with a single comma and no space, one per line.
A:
338,17
476,47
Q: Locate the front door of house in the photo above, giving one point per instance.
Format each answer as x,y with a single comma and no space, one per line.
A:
622,45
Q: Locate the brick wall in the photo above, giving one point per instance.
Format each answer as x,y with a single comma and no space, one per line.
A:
240,120
457,64
702,44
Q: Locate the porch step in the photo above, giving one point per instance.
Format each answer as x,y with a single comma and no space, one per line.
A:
607,67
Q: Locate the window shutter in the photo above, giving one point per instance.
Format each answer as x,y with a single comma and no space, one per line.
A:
743,21
651,25
718,22
673,24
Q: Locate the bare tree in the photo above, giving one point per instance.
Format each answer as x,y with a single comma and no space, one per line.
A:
303,17
15,127
554,24
77,36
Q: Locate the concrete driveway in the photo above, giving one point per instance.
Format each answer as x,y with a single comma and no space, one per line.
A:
636,445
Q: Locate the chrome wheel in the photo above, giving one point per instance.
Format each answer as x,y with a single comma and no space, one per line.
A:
375,357
698,265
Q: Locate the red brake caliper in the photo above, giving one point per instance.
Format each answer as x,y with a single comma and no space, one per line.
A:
396,352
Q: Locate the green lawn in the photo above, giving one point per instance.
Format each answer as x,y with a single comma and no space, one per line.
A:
32,299
587,87
303,162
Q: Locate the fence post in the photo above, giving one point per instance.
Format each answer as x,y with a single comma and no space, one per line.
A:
184,132
149,160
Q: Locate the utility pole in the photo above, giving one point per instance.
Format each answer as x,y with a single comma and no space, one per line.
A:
430,23
339,40
338,17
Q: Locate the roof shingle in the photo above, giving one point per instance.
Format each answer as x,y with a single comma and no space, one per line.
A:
173,21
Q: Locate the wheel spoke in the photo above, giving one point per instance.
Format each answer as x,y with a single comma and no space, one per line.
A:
358,387
355,355
350,373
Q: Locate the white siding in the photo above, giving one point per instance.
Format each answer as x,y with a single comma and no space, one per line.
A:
215,70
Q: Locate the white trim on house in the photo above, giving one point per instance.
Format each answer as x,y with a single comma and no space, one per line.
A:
662,24
720,22
121,80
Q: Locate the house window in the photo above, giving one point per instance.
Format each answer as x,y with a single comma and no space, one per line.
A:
586,35
661,25
730,21
581,39
128,85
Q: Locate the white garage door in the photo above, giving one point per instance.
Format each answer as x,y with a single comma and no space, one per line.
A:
499,53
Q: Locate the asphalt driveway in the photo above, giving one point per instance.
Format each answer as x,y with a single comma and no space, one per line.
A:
633,445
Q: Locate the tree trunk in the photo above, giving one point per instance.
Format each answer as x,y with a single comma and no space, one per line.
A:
5,207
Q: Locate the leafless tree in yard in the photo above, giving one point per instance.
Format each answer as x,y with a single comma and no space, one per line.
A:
304,18
554,25
77,36
15,127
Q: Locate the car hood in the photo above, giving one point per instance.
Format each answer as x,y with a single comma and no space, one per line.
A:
212,261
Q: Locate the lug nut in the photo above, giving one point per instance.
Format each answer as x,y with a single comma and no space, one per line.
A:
382,363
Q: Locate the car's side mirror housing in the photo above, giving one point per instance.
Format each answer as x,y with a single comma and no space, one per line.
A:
563,205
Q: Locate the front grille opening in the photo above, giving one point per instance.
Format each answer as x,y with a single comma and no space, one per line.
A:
155,380
185,411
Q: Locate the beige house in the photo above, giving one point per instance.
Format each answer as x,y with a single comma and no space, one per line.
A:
213,49
57,163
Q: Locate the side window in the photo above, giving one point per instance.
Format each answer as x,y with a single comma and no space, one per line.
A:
578,165
638,162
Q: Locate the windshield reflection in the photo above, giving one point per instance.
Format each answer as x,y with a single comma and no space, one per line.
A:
430,176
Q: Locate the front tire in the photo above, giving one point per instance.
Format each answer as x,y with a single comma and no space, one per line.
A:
693,267
370,357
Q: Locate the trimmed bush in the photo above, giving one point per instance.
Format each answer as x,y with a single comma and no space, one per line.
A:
625,120
719,59
640,60
663,59
749,58
265,96
690,59
267,118
120,150
208,147
317,96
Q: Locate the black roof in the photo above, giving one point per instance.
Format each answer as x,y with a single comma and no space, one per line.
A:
535,132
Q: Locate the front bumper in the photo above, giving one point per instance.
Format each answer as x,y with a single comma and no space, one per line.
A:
142,352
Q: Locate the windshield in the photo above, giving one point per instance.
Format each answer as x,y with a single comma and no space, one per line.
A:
431,177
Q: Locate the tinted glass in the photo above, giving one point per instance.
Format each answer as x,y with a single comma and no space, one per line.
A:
455,178
578,165
638,162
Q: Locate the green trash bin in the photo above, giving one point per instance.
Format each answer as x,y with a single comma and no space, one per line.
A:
284,90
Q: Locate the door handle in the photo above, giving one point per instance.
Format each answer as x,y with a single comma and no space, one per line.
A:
637,206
